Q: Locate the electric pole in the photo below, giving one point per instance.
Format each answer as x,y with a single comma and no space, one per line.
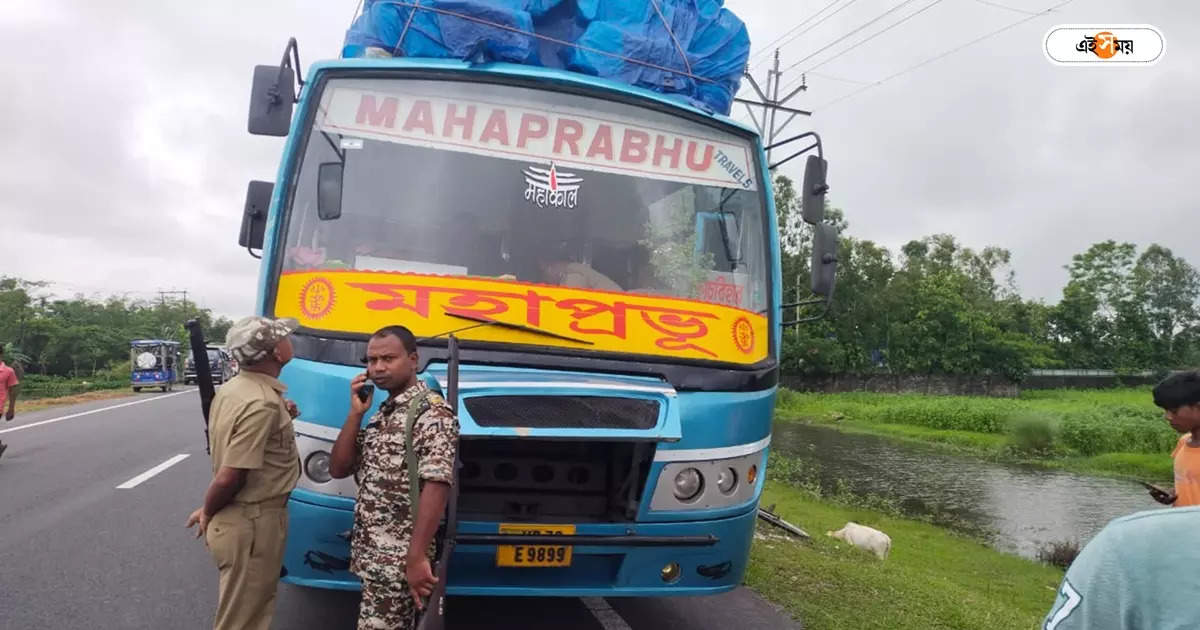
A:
771,104
162,297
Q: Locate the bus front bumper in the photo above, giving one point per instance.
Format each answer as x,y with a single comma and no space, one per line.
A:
608,559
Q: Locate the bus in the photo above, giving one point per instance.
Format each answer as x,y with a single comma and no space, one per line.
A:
608,260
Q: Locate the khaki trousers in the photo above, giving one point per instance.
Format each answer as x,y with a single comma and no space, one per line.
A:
247,542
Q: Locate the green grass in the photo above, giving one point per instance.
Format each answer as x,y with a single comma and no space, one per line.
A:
932,579
1110,432
37,387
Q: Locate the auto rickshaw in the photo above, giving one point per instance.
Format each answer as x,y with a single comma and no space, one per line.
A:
153,363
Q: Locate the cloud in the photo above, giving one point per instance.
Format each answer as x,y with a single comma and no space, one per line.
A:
126,152
126,156
999,147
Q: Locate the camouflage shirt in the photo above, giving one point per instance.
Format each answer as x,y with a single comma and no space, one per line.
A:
382,525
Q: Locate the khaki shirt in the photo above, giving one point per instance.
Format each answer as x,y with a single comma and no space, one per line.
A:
584,277
249,427
383,524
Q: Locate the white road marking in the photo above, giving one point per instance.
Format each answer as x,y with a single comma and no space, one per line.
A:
133,483
88,413
608,618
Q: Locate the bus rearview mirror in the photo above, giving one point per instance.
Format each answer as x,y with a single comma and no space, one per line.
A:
824,260
271,98
254,215
812,201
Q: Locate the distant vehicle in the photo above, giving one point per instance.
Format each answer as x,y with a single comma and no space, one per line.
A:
220,365
153,363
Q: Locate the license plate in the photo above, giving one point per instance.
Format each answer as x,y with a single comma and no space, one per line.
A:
534,555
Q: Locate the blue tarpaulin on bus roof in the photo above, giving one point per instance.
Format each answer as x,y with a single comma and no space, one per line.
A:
622,40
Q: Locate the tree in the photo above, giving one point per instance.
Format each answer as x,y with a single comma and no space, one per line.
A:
787,215
83,336
1127,312
1166,288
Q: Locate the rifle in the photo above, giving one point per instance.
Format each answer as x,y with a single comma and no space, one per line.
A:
434,616
203,373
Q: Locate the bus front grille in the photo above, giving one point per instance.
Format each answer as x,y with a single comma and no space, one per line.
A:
531,481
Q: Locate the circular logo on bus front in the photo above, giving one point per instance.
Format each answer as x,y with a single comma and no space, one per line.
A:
317,298
743,335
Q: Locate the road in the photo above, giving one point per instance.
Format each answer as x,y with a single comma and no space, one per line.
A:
92,507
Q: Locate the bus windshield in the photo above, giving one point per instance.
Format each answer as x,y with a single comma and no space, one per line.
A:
524,191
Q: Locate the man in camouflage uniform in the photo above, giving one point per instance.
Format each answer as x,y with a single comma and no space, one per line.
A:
390,553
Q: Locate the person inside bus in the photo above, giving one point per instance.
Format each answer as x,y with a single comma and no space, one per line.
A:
557,268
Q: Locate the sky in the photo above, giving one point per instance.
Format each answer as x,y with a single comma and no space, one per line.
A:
125,157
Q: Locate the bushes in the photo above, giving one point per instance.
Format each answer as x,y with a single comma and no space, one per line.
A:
981,415
1117,430
1032,433
1076,421
1060,554
37,386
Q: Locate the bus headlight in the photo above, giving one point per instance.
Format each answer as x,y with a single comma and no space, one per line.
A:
726,480
317,467
711,484
688,483
314,463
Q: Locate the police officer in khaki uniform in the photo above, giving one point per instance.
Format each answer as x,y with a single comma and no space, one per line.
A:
390,553
255,467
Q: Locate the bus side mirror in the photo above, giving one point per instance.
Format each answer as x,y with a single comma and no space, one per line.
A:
271,99
824,260
812,199
254,215
329,190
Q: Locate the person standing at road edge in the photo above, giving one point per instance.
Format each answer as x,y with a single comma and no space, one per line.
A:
8,392
255,466
390,552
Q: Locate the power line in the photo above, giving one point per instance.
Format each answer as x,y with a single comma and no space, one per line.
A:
767,48
843,37
85,288
1001,6
819,22
945,54
162,297
842,79
909,17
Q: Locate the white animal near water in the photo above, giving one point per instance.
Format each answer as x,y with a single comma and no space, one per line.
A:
864,537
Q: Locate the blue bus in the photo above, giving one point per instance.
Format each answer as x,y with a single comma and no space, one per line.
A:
608,260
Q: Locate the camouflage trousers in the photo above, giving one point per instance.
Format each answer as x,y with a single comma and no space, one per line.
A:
386,605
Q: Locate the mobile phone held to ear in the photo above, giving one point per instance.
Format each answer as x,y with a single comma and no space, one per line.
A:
365,392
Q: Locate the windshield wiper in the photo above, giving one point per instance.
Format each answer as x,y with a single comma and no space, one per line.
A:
483,321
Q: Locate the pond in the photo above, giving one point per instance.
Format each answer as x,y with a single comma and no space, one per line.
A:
1014,508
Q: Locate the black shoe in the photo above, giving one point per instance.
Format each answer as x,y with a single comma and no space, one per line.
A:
3,447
